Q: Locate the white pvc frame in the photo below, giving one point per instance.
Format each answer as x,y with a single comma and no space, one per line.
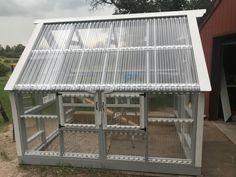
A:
50,156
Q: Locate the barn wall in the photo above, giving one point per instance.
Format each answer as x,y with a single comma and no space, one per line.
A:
222,21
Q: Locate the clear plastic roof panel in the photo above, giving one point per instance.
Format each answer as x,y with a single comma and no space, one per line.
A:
152,54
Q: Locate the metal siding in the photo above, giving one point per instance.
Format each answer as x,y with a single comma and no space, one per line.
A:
221,22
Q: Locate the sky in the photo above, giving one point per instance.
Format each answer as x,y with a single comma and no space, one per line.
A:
17,16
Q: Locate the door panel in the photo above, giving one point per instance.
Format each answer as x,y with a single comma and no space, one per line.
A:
79,109
123,111
99,125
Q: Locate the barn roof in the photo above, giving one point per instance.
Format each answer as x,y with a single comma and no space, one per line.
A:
135,52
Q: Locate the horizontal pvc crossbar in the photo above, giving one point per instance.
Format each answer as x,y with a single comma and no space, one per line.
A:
38,108
126,158
121,94
80,129
128,132
164,47
170,120
81,155
38,116
113,157
79,125
42,153
123,127
123,105
77,95
169,160
78,104
111,87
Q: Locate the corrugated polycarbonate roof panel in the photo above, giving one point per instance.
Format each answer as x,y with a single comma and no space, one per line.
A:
152,54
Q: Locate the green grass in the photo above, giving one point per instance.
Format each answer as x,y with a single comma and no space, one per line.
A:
13,61
4,96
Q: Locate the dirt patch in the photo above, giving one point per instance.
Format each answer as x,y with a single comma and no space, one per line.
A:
8,162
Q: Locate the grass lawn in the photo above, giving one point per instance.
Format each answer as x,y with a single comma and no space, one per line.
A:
4,97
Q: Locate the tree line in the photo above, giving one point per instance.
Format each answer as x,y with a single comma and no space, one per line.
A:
141,6
12,52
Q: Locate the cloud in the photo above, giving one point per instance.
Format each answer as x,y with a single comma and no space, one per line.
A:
37,7
17,16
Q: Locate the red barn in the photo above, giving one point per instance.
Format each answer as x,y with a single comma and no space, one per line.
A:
218,34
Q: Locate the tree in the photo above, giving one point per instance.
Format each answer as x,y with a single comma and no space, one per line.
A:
19,49
3,69
200,4
12,52
140,6
1,50
8,48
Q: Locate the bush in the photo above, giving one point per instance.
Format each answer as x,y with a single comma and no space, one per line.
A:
3,69
7,61
14,61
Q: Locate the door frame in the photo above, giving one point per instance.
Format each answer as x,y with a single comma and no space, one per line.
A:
100,119
216,72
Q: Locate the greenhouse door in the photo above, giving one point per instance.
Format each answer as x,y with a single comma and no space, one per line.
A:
124,126
80,123
102,126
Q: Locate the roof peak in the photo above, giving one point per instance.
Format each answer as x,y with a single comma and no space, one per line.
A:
195,13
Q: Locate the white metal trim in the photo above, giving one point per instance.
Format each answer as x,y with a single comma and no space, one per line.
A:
194,13
199,58
199,130
16,125
21,63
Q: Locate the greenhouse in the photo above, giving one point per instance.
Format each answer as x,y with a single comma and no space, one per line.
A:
119,92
